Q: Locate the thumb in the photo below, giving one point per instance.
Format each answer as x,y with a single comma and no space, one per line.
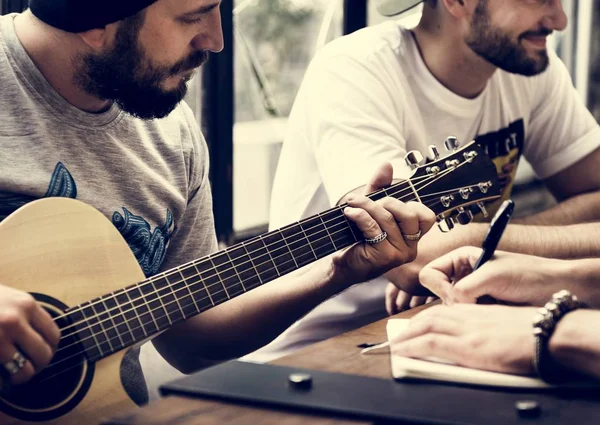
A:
382,178
444,272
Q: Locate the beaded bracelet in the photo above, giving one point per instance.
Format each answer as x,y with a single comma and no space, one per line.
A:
544,324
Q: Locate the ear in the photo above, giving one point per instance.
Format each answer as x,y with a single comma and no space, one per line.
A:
460,8
96,39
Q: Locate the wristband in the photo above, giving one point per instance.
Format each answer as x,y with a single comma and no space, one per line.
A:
544,324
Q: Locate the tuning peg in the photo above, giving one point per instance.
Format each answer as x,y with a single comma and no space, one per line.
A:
451,143
483,210
446,225
434,153
464,216
413,159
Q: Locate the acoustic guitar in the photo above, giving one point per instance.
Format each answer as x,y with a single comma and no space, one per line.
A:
76,264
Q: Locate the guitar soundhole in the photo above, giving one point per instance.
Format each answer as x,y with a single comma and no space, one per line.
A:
45,392
56,390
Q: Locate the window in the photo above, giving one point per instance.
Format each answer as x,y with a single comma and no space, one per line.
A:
274,43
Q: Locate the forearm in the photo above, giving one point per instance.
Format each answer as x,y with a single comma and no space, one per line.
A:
251,320
575,343
571,241
578,209
581,277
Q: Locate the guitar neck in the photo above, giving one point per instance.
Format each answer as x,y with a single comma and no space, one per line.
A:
115,321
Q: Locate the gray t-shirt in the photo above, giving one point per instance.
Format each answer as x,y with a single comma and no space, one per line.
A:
150,178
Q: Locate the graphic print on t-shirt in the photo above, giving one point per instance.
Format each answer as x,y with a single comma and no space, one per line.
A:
504,147
149,247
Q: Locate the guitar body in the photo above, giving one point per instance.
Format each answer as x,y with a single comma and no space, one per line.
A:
68,253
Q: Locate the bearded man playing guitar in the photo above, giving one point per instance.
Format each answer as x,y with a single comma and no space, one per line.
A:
90,109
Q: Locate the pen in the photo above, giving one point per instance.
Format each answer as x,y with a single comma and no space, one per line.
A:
490,242
497,226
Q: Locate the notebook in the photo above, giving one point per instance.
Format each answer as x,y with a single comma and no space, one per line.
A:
440,370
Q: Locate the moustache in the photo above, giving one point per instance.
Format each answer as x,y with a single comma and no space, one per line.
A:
190,63
544,32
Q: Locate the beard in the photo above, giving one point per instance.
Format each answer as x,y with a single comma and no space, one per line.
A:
500,50
127,77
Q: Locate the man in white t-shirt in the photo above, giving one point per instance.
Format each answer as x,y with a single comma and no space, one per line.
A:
474,69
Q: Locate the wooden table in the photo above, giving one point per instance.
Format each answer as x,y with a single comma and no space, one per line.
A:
339,354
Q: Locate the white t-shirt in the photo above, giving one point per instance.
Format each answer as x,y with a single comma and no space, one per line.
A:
369,98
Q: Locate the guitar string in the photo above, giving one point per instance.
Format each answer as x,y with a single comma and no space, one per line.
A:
221,281
288,240
310,233
183,267
135,328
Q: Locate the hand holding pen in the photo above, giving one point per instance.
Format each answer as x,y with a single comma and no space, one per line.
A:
439,276
454,277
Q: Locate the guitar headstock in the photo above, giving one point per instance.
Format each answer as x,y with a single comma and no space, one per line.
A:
447,185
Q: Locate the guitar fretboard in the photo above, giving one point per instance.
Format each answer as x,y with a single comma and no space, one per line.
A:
115,321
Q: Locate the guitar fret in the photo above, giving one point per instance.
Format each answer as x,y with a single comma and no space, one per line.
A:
102,321
168,297
224,273
228,273
260,282
296,238
212,302
183,296
288,247
270,256
196,288
212,282
244,267
132,315
82,334
173,294
327,231
157,310
143,310
236,270
300,225
280,253
114,330
261,260
220,279
318,237
96,331
120,319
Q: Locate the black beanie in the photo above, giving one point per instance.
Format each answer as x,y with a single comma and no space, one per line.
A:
84,15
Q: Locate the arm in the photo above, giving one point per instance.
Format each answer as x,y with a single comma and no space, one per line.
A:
575,343
512,278
572,241
499,338
577,189
254,319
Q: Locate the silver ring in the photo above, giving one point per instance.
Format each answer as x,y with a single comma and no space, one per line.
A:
15,365
413,237
379,238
